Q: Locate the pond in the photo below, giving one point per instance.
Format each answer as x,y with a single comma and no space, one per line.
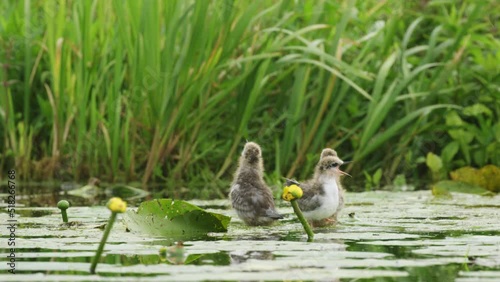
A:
382,236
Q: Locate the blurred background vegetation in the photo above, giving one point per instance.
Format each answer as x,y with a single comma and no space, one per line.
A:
168,91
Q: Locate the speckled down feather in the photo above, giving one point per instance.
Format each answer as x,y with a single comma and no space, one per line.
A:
251,198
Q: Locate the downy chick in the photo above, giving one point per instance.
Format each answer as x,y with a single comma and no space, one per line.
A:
250,196
323,196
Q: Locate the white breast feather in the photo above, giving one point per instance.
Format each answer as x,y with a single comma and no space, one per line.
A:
329,202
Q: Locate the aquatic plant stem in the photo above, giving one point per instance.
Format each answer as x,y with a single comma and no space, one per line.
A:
64,216
103,242
305,224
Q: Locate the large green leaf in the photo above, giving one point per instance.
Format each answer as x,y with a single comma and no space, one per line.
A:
458,133
449,151
477,110
169,217
434,162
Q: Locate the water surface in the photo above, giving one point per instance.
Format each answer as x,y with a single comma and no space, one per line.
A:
382,236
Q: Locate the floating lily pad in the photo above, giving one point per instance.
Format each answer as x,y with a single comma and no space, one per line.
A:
446,186
167,217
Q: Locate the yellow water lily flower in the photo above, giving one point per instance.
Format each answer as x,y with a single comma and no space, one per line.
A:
292,192
117,205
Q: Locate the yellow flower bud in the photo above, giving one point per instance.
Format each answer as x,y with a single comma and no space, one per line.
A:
117,205
292,192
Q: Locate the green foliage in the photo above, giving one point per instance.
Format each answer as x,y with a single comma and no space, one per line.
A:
484,181
434,162
169,90
487,177
372,182
476,141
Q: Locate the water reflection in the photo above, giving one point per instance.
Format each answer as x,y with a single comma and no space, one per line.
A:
240,257
48,194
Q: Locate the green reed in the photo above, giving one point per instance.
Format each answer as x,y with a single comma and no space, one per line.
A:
170,90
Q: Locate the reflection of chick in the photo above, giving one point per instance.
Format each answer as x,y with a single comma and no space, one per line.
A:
323,194
173,254
250,196
89,191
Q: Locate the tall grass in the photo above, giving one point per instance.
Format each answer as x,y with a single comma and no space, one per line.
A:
170,90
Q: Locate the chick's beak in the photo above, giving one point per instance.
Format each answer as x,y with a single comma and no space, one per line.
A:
342,172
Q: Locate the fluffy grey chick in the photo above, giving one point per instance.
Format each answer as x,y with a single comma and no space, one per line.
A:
323,196
250,196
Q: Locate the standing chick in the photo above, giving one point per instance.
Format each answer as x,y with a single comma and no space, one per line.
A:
323,196
250,196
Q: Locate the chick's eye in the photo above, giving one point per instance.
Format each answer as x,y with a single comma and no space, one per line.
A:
332,165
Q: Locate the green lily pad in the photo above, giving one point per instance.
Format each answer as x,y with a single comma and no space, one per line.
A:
167,217
459,187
